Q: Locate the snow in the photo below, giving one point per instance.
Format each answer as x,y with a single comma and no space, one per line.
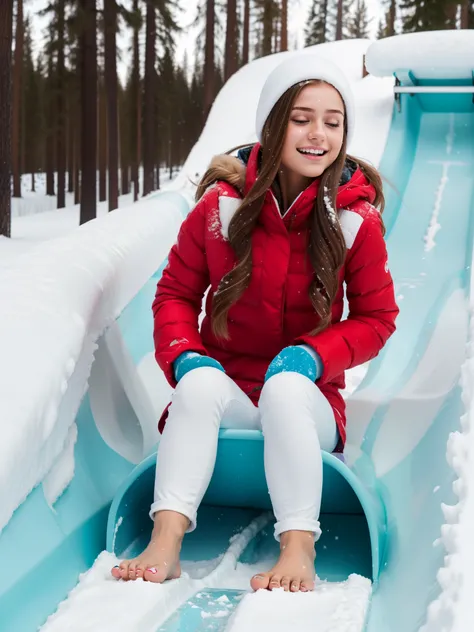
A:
452,610
57,299
336,607
430,55
62,472
99,602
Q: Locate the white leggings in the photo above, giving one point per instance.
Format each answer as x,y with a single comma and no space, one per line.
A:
296,419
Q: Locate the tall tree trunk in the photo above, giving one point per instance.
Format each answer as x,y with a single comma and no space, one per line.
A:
340,4
136,117
50,130
149,100
6,13
89,111
102,142
70,145
391,17
125,182
17,100
451,14
284,25
209,65
110,28
61,113
77,163
246,37
267,28
231,61
465,14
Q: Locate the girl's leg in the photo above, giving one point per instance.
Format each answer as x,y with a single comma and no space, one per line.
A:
297,422
185,462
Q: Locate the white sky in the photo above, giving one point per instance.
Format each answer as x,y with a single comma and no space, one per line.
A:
298,15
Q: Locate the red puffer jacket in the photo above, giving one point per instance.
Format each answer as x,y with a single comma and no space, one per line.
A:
275,310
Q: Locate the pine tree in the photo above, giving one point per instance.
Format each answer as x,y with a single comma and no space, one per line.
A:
266,11
358,26
6,13
17,100
32,106
339,18
382,30
111,85
391,18
231,40
316,30
246,33
284,25
421,15
88,44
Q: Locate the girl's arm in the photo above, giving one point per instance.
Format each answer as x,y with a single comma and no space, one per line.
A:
180,291
372,306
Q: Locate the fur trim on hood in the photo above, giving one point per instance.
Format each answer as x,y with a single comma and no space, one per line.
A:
230,169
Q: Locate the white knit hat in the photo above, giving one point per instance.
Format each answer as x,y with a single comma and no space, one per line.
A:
298,68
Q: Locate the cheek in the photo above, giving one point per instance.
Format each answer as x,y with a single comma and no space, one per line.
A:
336,142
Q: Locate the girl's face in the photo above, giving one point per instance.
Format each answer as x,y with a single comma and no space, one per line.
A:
315,131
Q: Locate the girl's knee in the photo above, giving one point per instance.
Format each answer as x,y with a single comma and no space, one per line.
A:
285,389
203,387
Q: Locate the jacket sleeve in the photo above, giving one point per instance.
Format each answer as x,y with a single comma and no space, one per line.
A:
372,306
179,294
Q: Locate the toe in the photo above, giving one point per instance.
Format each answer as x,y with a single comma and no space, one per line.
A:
259,582
116,572
275,582
131,571
139,572
307,585
154,574
123,568
295,585
285,583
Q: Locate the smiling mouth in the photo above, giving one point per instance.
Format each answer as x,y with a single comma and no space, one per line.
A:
313,153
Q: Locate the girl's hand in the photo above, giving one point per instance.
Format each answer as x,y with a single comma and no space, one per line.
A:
190,360
301,359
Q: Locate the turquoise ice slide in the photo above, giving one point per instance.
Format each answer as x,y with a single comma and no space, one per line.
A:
381,507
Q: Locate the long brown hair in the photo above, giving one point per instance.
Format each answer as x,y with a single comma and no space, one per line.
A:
327,249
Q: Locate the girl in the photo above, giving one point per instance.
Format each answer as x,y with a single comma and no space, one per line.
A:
272,350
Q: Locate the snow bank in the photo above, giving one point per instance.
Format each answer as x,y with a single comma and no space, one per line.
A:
231,121
56,301
430,55
453,610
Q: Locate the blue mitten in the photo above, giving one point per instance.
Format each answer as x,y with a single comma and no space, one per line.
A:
190,360
299,359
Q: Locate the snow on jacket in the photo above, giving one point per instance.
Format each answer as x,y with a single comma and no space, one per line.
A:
275,311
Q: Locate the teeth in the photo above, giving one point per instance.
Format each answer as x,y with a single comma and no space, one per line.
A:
314,152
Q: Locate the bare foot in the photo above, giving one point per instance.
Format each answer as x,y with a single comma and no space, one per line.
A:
294,570
160,560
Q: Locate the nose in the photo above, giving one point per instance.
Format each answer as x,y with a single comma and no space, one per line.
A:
316,130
